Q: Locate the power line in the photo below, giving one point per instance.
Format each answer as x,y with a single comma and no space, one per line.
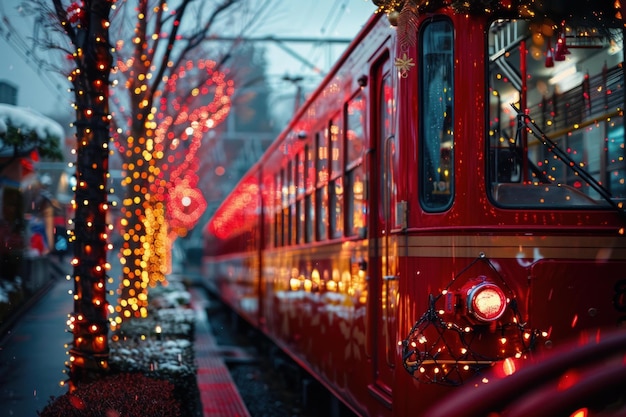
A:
24,51
281,41
332,14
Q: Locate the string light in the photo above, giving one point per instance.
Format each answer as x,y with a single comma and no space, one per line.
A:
428,353
152,214
88,355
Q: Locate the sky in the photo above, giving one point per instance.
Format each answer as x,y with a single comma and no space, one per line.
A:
47,93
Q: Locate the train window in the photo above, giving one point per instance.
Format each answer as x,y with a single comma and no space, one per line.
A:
357,205
321,198
286,224
300,218
355,138
292,222
291,180
300,221
309,167
336,207
556,129
309,213
300,172
309,199
336,147
437,108
278,213
335,187
322,212
355,147
321,158
615,168
269,215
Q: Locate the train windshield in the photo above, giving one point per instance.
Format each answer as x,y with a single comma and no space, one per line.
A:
556,128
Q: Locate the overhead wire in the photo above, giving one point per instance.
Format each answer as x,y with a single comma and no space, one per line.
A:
332,19
24,50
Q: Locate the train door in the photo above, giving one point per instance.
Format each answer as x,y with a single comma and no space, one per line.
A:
382,269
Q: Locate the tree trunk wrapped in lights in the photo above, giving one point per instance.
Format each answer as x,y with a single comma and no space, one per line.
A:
87,26
171,98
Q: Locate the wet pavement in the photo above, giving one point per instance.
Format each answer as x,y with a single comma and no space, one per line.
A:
32,351
33,354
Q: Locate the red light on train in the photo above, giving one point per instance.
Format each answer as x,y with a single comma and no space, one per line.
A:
485,301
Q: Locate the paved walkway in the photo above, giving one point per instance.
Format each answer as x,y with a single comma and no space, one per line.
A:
218,392
33,354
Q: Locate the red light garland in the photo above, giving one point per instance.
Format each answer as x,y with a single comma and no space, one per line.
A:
192,125
75,13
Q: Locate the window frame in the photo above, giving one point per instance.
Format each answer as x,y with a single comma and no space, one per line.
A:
433,191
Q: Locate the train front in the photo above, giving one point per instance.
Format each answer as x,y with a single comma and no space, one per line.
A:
515,243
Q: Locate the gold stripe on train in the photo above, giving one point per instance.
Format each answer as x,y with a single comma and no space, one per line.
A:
599,248
470,246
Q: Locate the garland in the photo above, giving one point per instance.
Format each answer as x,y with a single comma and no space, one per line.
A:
459,6
404,14
523,8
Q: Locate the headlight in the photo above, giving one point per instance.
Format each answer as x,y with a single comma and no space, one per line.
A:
485,301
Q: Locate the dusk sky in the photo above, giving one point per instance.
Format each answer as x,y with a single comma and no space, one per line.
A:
47,93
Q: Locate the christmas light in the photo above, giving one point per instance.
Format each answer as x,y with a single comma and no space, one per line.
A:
154,216
427,350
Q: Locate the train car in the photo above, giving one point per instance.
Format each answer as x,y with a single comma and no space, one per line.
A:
450,199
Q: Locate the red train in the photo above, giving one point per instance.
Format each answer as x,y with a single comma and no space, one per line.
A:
449,200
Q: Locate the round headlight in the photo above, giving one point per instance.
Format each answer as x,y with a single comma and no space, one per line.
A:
486,301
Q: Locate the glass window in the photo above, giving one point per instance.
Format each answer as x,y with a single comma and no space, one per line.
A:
269,211
278,213
300,218
355,138
286,223
300,172
355,177
309,213
291,213
336,147
335,187
309,199
322,212
616,168
556,131
291,181
336,207
388,178
321,164
357,205
300,221
292,223
437,108
321,198
309,166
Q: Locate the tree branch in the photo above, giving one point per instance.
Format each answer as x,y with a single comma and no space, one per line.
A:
170,46
61,14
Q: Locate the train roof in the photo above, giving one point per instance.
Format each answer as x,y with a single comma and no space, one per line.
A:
356,48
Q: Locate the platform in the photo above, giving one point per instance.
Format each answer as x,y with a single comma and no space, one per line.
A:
218,392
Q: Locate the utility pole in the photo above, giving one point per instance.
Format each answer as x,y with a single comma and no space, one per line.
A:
298,99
